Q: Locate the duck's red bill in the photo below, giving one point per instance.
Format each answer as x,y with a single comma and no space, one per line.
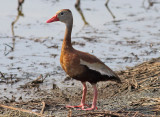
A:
53,19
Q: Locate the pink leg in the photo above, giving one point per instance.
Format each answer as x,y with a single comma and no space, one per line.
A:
83,98
94,99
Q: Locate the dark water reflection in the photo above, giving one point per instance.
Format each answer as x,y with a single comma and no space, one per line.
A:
150,4
107,6
19,14
77,6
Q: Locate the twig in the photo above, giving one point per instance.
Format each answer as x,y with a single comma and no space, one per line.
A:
9,46
43,106
38,80
106,4
140,82
134,82
135,114
77,6
22,110
146,88
2,75
69,113
109,113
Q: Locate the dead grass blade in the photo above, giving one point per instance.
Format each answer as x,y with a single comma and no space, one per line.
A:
70,113
43,106
22,110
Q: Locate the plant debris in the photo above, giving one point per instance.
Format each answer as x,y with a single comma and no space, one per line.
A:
135,82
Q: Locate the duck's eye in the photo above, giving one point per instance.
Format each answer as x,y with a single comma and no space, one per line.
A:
61,13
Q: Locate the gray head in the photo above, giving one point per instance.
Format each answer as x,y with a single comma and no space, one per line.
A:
64,15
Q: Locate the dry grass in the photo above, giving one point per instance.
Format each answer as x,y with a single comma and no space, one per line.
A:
140,78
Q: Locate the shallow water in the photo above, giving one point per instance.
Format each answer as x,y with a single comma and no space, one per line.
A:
33,47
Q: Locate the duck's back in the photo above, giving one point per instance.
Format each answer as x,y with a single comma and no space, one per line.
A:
86,67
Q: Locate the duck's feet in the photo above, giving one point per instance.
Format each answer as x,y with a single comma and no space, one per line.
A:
92,108
79,106
82,107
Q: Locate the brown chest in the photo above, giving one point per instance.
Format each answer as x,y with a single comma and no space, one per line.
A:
71,64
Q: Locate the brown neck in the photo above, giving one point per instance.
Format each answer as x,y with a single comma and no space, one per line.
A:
67,37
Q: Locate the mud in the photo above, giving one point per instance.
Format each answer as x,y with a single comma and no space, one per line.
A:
137,95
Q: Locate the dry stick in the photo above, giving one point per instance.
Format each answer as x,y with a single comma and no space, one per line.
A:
128,113
43,78
22,110
43,106
135,82
156,108
140,82
157,99
109,113
2,75
77,6
106,4
146,88
37,80
135,114
69,113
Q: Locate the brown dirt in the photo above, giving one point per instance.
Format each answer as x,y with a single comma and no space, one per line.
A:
138,95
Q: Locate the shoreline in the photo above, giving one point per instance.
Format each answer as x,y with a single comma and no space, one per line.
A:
139,93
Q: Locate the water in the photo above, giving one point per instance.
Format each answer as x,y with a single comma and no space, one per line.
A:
31,47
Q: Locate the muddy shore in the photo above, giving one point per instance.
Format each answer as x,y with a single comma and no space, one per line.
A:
138,95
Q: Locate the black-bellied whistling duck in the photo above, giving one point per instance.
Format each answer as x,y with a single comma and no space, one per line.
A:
80,65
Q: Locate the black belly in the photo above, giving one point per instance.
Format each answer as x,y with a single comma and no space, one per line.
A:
93,76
